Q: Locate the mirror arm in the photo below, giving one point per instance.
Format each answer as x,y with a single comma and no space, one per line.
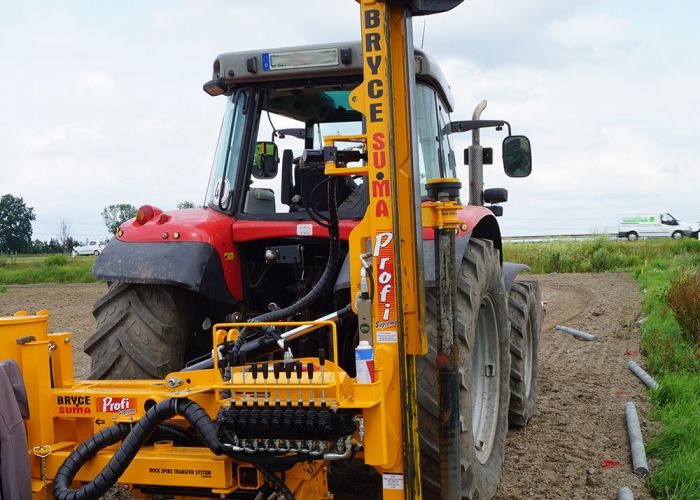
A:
468,125
299,133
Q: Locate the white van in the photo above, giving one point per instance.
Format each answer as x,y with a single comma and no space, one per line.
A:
654,225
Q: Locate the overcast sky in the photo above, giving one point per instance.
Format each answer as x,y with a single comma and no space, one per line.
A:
102,101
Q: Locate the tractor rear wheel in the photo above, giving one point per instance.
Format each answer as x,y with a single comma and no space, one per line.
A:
483,342
141,331
525,313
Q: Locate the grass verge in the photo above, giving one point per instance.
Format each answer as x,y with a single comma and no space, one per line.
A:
677,406
20,270
673,356
599,255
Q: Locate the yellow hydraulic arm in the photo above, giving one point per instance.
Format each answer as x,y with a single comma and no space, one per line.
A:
385,248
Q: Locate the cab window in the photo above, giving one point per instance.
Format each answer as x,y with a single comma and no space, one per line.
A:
668,219
435,155
294,120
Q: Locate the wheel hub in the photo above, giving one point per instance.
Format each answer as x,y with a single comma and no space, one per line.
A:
486,389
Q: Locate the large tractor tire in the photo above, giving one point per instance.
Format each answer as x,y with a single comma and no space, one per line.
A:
483,343
525,312
141,331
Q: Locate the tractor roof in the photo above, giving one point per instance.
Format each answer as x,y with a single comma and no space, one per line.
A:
306,62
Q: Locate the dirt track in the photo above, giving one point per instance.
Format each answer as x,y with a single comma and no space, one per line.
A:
579,421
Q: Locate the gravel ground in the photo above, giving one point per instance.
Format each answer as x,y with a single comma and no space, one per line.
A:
579,422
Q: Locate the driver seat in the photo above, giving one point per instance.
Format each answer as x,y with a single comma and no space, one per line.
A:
260,201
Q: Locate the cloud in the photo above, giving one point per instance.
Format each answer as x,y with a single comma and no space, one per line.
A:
597,31
96,80
103,104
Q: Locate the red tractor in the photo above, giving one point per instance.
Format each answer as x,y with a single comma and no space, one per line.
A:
266,244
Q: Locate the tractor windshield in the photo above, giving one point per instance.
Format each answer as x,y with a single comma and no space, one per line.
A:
257,171
295,119
228,152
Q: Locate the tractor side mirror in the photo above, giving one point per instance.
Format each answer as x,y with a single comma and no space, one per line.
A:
266,160
517,156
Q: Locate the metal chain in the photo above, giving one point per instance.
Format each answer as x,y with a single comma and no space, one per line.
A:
41,452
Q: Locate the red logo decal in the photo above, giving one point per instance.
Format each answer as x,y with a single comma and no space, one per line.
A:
120,406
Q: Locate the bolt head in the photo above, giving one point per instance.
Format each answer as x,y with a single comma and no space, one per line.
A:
173,382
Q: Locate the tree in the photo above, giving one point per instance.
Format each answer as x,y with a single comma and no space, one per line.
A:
53,246
39,246
114,215
15,224
185,204
64,236
70,244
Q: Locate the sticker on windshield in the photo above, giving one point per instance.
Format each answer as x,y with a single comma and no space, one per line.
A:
217,190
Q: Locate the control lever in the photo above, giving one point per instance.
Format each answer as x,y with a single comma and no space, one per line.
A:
324,417
266,413
288,374
310,374
244,412
299,372
255,412
288,411
311,413
277,413
245,394
265,374
300,413
277,368
254,372
322,362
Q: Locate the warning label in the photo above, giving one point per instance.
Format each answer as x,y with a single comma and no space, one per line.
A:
389,337
392,481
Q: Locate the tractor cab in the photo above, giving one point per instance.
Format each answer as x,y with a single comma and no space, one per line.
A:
285,101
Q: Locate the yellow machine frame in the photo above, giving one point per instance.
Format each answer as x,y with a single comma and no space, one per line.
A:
64,411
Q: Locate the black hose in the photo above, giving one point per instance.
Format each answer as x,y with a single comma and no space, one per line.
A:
278,484
134,439
321,286
311,211
179,435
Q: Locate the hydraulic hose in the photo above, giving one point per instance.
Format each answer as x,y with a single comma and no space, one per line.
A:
180,436
134,438
321,286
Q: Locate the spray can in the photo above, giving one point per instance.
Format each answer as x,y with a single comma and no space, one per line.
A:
364,362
